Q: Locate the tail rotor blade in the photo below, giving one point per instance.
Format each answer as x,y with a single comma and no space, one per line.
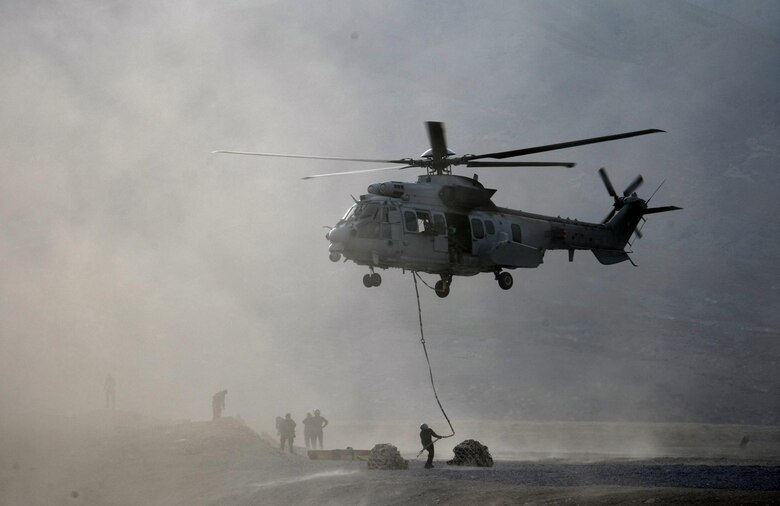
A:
607,183
633,186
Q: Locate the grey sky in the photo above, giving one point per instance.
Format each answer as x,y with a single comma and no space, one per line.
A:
128,248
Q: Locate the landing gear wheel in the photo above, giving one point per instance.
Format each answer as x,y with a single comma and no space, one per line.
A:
442,288
367,281
376,279
505,280
335,256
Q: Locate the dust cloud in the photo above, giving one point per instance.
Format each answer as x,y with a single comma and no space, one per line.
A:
129,249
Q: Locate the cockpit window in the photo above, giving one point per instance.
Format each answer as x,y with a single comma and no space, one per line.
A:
349,213
365,211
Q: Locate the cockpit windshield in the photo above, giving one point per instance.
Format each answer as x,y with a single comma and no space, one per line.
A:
366,210
360,212
349,213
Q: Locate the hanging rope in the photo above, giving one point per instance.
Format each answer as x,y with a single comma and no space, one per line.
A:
430,370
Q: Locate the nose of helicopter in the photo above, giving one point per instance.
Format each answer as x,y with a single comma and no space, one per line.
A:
338,238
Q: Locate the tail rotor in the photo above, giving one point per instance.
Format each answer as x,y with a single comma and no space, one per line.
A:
619,201
635,218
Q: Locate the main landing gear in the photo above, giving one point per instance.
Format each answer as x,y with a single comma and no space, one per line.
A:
505,280
442,287
373,279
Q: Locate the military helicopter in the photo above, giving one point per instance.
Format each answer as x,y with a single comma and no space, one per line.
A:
447,225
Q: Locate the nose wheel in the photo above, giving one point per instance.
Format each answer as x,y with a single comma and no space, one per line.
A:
373,279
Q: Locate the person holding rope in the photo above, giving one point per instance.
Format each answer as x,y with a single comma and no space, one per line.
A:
426,438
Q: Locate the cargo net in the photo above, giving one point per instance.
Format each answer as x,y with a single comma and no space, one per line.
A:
386,456
471,453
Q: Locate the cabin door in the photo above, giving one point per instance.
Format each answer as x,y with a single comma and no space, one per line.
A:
440,241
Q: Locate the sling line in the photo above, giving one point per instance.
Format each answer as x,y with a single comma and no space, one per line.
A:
422,340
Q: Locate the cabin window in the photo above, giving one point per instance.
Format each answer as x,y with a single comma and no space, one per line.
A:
424,223
477,229
410,221
517,233
489,227
439,225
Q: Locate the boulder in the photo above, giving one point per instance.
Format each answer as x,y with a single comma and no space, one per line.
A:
471,453
386,456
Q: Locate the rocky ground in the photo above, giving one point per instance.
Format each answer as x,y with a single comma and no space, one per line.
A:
122,458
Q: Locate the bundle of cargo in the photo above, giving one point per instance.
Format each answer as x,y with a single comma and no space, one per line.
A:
471,453
386,456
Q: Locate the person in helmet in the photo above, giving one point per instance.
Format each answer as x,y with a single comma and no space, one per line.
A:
426,438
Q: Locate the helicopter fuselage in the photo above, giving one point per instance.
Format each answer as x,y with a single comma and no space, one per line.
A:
448,225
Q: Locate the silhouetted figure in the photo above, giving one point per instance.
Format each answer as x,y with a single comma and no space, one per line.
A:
279,421
287,432
218,404
308,428
318,423
426,438
110,389
743,444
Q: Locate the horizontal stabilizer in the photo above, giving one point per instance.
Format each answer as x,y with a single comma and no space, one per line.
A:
654,210
610,256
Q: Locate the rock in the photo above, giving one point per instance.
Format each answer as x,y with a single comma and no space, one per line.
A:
386,456
471,453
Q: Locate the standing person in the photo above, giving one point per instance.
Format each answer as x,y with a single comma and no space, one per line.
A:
288,432
218,403
110,389
426,438
318,423
308,428
279,421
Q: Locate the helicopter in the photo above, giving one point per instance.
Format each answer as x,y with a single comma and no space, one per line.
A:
447,224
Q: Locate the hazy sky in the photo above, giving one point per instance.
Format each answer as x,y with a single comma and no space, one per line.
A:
128,248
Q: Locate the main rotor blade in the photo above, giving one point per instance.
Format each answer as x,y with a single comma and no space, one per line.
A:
608,183
663,209
633,186
436,136
562,145
520,164
311,157
364,171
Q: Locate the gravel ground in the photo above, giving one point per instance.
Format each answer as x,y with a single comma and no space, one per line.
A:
673,473
512,482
